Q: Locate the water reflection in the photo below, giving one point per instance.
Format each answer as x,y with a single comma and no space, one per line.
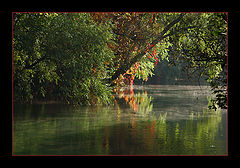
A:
135,125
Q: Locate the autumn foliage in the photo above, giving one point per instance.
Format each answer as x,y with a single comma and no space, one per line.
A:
78,57
131,38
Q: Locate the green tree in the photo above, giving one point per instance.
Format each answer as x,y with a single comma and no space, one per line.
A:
74,57
202,44
61,55
198,40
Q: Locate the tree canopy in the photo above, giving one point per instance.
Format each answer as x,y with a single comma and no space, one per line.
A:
78,57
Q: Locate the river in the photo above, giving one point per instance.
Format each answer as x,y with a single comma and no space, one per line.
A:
145,120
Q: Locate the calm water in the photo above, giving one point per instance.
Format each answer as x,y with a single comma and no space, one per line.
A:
149,120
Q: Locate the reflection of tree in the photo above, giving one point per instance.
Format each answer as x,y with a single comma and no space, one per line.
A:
139,102
95,131
207,127
64,132
193,136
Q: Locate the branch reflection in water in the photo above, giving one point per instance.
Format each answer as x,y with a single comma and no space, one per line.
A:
138,124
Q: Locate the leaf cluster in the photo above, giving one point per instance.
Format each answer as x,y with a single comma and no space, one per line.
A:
61,56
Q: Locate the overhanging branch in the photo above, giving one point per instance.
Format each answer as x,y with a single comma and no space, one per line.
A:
160,37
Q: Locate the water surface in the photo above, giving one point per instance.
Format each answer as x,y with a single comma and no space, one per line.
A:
145,120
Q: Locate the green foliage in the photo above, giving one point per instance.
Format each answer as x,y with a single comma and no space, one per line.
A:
201,41
74,57
60,55
145,70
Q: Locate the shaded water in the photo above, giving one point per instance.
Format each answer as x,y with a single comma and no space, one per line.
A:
145,120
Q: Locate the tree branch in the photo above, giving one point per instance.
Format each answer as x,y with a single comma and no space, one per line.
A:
160,37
